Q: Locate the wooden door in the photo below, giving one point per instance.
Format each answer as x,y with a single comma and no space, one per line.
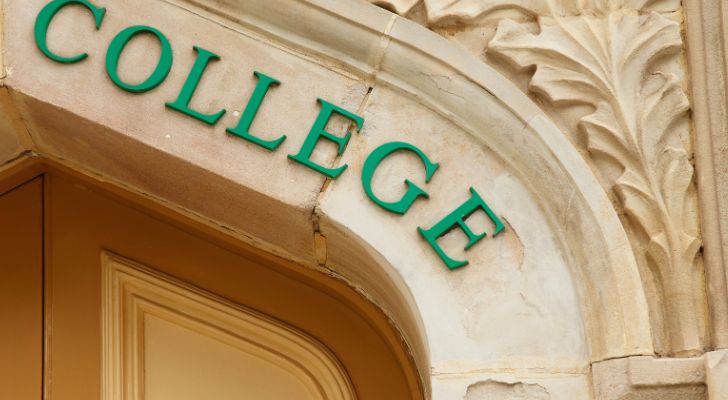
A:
103,297
139,306
21,313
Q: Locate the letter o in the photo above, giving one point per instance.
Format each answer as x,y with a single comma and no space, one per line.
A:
117,46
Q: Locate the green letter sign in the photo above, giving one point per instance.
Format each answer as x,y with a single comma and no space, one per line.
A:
319,131
457,218
117,46
44,20
243,128
182,104
413,192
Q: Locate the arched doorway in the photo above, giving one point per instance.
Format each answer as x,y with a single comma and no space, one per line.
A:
113,297
558,290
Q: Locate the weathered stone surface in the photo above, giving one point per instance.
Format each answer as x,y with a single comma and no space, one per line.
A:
11,127
505,386
483,315
75,113
441,76
706,38
492,390
650,378
716,371
623,106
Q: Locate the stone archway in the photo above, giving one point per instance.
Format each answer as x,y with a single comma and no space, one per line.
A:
557,290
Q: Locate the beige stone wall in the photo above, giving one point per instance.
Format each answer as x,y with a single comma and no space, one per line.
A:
570,118
590,63
611,75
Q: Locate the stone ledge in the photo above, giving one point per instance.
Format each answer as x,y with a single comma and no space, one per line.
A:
646,378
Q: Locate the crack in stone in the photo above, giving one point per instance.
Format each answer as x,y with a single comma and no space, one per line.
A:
316,213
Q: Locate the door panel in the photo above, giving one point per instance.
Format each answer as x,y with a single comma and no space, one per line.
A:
163,339
84,223
21,312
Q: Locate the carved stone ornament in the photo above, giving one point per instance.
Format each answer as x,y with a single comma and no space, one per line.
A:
618,63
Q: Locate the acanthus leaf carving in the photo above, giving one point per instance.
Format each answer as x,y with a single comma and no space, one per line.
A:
605,63
446,11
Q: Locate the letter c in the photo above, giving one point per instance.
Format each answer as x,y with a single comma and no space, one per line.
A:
413,191
44,20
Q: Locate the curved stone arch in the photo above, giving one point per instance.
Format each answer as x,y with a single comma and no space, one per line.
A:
397,52
615,308
385,51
